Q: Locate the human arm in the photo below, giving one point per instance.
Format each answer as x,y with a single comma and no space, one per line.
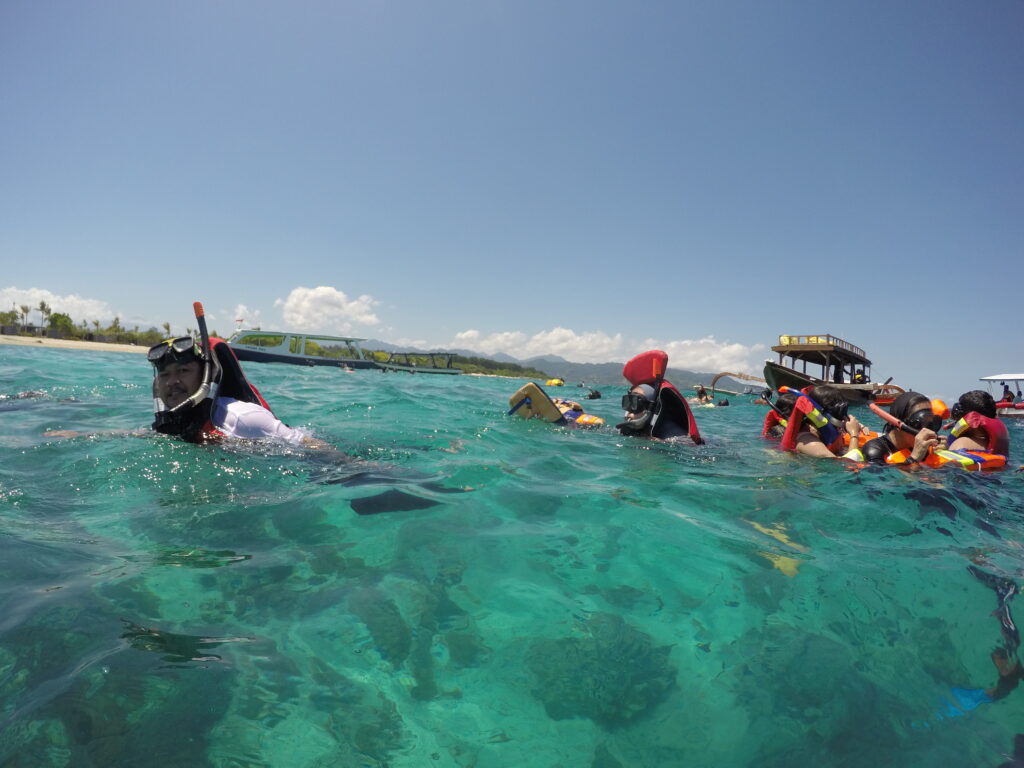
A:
254,422
69,433
809,445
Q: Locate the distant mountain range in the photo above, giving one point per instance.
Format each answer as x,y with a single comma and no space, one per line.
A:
589,374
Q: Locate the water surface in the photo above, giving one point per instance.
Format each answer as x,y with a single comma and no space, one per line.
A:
589,601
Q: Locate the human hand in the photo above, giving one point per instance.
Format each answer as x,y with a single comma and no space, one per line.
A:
853,427
924,441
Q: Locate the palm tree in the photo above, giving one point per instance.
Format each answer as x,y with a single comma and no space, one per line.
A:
44,311
167,330
25,309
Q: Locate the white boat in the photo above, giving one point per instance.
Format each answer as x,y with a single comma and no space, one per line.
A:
258,346
1015,381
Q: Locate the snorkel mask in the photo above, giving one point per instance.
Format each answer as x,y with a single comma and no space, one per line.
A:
186,417
642,405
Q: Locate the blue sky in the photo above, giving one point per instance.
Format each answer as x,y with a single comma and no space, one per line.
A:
582,178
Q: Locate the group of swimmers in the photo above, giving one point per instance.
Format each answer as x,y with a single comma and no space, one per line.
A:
816,422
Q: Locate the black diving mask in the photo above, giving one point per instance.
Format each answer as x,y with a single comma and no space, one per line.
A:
634,402
840,412
180,350
924,419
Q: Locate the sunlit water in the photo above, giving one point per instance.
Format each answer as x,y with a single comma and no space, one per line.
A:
592,601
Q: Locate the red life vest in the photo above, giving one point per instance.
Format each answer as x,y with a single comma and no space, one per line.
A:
772,419
998,436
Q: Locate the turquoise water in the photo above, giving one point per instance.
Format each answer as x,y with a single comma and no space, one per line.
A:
591,601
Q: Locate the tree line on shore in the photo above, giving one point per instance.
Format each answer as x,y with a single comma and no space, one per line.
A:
59,325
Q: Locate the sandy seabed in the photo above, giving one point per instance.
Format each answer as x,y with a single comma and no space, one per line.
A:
95,346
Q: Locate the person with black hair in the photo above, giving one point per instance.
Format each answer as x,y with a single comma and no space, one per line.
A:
777,418
975,401
914,410
976,427
202,395
823,440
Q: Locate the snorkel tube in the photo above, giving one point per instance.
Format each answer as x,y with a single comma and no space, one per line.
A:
890,419
210,367
938,408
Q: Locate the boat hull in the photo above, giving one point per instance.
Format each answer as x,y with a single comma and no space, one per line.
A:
780,376
417,369
252,356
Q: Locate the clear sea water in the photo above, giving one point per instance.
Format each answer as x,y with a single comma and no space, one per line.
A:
591,602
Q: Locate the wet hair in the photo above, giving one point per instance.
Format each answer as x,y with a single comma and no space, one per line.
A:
785,404
830,398
978,400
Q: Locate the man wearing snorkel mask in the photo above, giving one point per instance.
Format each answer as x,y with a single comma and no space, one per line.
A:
915,411
202,397
638,405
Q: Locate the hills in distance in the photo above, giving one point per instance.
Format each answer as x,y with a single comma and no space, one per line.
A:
553,366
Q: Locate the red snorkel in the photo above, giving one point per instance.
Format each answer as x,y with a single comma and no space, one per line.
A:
938,408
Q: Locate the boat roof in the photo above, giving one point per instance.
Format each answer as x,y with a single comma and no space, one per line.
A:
1004,377
812,346
257,331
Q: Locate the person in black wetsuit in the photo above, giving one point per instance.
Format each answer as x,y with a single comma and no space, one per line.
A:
914,410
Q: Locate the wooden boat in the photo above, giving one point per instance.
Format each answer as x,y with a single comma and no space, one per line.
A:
1015,381
298,349
440,362
833,361
740,376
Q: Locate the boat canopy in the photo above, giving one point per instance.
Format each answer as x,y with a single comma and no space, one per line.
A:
814,346
839,360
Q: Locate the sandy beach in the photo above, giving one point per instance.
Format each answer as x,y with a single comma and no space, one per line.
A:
95,346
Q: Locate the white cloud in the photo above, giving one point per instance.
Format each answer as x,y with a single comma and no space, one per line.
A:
599,347
245,317
326,309
709,355
76,307
589,347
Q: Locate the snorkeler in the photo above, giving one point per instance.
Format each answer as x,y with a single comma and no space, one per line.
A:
976,442
818,425
653,407
976,427
777,418
913,439
200,394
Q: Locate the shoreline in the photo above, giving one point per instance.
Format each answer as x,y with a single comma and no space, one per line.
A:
104,346
94,346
